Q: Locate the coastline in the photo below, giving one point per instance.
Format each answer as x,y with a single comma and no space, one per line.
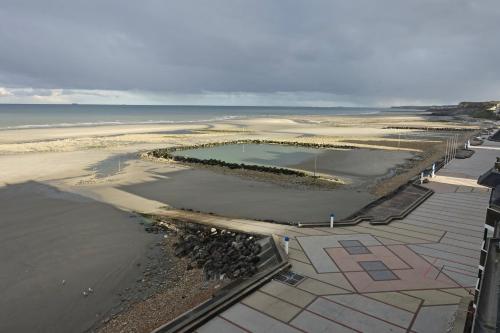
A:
69,160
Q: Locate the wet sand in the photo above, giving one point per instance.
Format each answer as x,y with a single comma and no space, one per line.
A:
233,196
366,163
47,237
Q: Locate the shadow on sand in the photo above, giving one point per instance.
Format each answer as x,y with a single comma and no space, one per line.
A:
54,246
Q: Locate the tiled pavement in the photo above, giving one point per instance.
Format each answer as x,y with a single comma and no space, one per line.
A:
408,276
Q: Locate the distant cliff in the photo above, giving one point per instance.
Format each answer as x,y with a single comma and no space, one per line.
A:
487,110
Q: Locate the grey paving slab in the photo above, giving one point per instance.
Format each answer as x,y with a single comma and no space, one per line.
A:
351,318
465,238
335,279
446,207
463,210
314,248
451,213
288,293
441,214
349,243
443,225
463,275
471,270
411,233
468,198
437,220
255,321
375,308
293,244
382,275
454,249
310,322
319,288
434,297
450,228
471,196
434,319
467,244
379,232
376,265
405,226
444,255
357,250
400,300
218,325
464,203
271,306
464,280
453,199
297,255
462,292
463,219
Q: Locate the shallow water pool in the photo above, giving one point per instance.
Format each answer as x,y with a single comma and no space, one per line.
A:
335,162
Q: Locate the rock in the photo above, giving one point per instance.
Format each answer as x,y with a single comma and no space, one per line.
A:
180,251
219,252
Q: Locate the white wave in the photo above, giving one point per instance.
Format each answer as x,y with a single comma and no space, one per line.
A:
117,122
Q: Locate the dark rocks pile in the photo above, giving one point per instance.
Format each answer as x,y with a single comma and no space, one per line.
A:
221,253
162,151
214,162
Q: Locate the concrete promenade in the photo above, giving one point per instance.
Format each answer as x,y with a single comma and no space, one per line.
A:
408,276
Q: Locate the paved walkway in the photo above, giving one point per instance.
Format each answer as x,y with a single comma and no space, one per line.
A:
408,276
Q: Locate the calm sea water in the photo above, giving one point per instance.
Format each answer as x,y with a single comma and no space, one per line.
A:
14,116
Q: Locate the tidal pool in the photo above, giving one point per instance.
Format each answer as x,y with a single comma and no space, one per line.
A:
209,191
350,163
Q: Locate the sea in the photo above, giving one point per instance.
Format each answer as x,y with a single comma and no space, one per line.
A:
25,116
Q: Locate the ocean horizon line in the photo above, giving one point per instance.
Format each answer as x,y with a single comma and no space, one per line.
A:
215,105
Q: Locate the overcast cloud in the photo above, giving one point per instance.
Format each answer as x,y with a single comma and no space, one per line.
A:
356,52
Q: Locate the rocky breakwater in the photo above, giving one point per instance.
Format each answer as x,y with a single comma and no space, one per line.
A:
167,155
222,254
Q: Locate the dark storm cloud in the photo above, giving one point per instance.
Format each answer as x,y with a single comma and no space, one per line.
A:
444,50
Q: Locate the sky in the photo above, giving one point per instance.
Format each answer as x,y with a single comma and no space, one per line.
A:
234,52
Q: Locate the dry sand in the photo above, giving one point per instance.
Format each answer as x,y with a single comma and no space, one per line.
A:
324,129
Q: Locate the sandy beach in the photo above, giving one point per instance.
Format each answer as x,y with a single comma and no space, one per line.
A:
67,195
234,196
64,258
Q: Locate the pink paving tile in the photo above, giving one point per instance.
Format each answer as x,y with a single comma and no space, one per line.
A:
422,275
349,263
